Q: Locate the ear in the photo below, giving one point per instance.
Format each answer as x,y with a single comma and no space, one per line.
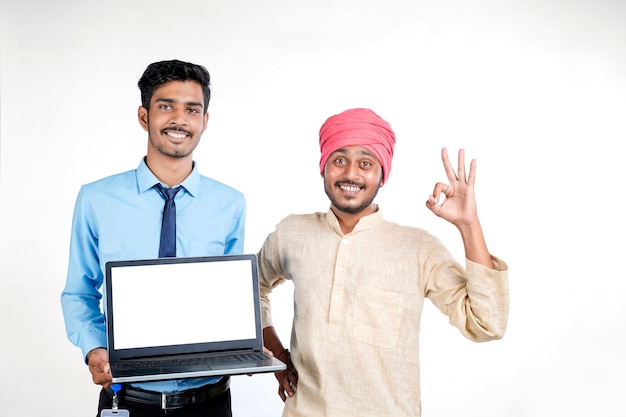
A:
206,121
142,115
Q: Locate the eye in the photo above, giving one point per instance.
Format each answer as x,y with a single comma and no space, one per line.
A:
194,110
366,164
165,106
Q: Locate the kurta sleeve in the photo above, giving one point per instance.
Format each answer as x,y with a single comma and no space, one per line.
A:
271,274
475,299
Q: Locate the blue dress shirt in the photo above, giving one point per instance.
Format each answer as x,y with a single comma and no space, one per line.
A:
119,218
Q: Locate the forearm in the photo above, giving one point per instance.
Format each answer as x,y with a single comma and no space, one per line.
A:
273,343
287,379
486,307
81,299
475,245
84,322
475,298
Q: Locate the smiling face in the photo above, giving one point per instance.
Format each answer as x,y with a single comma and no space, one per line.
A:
176,119
352,177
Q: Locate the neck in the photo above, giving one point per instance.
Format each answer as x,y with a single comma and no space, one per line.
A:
347,221
170,171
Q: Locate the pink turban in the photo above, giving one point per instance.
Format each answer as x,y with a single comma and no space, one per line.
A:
358,127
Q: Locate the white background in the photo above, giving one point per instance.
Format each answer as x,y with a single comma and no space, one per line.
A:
534,90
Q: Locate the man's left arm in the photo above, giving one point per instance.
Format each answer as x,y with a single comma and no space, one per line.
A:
482,313
459,207
235,240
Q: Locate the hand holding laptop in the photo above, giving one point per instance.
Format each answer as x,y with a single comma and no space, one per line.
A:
98,361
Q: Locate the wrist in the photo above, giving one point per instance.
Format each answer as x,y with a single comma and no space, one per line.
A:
95,351
283,353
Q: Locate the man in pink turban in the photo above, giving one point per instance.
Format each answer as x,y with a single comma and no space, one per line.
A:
358,138
360,281
358,127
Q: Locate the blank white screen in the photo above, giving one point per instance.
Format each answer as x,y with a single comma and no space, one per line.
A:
172,304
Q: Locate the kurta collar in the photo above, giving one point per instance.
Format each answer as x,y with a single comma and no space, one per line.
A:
368,222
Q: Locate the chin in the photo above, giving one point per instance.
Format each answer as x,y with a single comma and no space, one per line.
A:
353,208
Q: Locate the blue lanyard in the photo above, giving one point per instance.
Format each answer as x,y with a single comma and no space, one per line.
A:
116,388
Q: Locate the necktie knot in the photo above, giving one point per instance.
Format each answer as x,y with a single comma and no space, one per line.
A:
168,193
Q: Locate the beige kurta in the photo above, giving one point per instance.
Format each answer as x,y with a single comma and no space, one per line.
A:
358,303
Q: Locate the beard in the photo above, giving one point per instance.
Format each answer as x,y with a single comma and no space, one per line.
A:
174,152
349,209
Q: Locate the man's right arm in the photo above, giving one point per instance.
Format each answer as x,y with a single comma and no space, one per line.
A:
270,276
81,297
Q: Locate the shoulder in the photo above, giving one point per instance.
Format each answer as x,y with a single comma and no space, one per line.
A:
213,183
410,233
302,220
110,184
217,187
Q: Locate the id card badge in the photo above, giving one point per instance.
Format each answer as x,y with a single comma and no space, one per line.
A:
114,413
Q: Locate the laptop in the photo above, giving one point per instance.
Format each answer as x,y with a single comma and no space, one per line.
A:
172,318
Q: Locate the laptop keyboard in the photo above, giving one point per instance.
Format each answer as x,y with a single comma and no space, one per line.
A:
178,362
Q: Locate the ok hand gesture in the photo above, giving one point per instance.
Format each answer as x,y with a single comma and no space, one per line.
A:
459,206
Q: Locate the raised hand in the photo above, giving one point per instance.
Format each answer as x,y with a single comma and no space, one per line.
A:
459,205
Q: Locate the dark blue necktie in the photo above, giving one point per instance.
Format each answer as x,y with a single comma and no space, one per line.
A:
167,247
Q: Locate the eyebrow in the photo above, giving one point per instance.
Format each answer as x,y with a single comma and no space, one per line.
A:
361,151
171,100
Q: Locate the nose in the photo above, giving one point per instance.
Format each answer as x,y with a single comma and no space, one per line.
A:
179,117
352,170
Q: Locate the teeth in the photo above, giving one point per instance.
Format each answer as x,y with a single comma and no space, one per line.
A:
176,135
350,188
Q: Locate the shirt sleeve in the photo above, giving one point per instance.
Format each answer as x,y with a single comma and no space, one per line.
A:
271,274
475,299
81,297
235,239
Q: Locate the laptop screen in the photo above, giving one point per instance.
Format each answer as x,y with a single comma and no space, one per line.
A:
200,302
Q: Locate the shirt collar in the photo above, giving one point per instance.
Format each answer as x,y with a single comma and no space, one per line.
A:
368,222
146,179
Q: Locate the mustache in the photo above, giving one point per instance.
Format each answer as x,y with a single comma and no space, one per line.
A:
349,182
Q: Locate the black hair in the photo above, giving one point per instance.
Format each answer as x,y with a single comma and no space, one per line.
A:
159,73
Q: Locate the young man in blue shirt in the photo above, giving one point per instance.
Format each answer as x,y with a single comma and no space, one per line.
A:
119,217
